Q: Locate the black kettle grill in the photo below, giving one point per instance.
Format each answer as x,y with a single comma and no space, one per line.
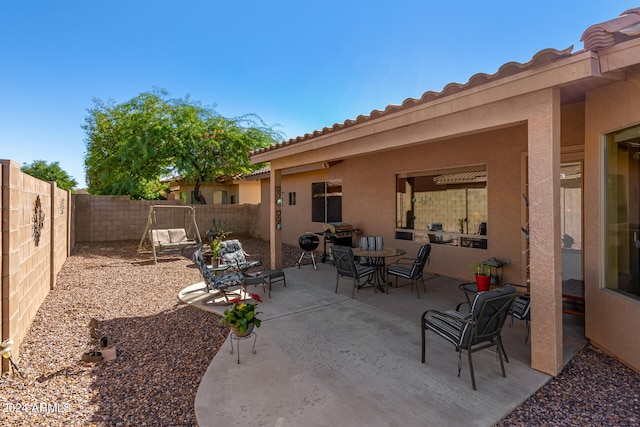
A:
308,243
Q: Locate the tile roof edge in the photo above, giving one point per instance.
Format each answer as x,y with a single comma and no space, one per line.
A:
608,33
508,69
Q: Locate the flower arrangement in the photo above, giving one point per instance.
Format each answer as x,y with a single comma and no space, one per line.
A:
241,317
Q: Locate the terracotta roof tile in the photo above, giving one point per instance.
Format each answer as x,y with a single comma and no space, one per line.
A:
608,33
543,57
596,37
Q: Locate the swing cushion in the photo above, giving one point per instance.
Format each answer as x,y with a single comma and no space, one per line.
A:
171,237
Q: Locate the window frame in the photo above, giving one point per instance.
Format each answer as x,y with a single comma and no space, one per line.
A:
411,224
326,201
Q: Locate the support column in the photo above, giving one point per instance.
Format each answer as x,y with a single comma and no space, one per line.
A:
275,217
544,227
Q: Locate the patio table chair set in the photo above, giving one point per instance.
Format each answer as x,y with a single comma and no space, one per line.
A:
348,265
232,271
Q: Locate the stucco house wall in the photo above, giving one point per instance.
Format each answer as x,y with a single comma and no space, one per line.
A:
238,191
522,122
612,319
369,192
296,219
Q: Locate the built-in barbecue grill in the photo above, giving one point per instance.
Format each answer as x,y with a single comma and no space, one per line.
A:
337,233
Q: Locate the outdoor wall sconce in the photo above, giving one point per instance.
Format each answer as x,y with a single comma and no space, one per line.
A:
278,195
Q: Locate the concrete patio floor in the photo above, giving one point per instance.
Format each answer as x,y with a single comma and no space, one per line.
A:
324,359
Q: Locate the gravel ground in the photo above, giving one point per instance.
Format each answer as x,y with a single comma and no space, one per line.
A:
592,390
165,347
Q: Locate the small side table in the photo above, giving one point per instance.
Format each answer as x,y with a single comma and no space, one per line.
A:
266,278
236,338
495,266
468,288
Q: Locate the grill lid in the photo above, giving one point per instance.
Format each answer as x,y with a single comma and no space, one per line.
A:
338,227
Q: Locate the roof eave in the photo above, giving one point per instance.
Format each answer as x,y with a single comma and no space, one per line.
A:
562,72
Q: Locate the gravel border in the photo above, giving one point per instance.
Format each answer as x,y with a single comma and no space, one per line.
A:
164,348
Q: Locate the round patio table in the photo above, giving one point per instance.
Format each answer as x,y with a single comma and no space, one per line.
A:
377,258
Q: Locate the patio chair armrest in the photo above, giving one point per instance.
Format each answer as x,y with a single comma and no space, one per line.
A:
443,314
253,256
404,261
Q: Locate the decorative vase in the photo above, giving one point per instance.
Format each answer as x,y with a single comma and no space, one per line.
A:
482,282
243,334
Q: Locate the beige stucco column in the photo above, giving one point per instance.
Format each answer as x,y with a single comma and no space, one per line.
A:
544,240
275,217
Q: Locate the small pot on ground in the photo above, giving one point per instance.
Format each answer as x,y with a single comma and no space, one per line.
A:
92,356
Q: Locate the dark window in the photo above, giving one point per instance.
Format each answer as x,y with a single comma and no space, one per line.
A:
622,212
326,202
292,198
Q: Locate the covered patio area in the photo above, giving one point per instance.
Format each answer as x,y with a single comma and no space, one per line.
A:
326,359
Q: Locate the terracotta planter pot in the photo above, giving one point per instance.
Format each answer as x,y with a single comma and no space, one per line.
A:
482,282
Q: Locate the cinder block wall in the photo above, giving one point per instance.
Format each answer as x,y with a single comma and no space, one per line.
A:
35,244
238,219
29,270
113,218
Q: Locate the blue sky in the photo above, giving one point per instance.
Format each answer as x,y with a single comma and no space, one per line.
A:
299,65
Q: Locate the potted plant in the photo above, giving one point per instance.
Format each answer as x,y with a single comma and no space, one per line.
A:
461,224
241,317
216,235
483,275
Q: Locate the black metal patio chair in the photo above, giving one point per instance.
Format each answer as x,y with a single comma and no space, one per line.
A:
521,310
410,268
475,330
347,267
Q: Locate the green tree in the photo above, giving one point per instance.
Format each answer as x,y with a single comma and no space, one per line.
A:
133,145
50,172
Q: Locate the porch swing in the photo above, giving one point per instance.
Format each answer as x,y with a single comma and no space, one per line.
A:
169,239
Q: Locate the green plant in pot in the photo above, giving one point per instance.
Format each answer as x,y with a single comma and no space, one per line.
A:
216,235
241,317
483,275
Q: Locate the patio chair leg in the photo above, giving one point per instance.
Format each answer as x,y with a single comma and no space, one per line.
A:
417,288
473,378
423,339
504,374
506,358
